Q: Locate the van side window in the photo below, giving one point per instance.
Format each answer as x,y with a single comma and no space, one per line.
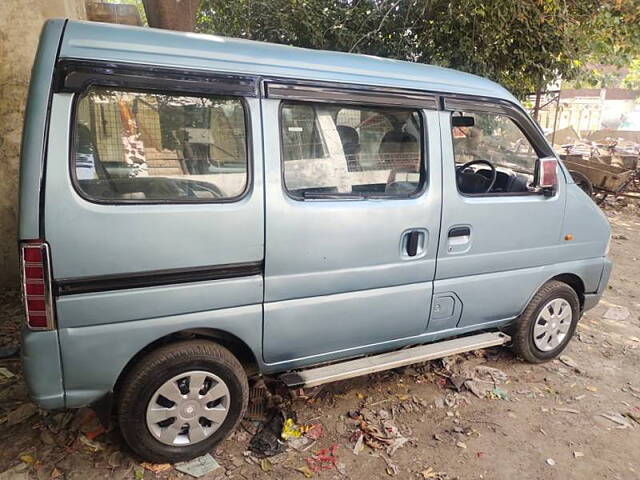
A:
332,150
132,146
496,139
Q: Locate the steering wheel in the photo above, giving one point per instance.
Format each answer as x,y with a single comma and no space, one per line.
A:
190,186
475,180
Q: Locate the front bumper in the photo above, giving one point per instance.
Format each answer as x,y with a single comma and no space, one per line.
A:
42,368
592,299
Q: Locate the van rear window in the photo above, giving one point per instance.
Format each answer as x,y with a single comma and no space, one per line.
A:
332,150
133,146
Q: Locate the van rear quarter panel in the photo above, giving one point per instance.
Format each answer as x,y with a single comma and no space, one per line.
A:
40,350
99,333
93,357
35,129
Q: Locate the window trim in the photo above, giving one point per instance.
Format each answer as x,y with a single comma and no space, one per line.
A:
75,76
424,157
248,187
518,119
515,113
349,94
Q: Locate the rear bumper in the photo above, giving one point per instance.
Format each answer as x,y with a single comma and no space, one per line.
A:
592,299
42,368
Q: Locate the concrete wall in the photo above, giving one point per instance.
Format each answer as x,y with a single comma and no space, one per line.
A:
20,24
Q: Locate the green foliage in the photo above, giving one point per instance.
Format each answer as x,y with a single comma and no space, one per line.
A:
523,44
632,79
614,33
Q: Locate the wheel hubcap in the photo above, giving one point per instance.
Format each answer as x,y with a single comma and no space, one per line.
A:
552,324
188,408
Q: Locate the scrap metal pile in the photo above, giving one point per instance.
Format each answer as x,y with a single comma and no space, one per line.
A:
604,163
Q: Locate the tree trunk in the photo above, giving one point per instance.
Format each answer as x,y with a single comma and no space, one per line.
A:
536,107
171,14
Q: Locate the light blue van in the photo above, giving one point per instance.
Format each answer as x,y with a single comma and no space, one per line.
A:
196,210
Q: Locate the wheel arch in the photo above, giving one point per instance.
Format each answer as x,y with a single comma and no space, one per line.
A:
571,279
575,282
235,345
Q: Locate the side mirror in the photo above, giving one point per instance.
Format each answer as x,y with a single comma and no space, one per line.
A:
462,121
547,174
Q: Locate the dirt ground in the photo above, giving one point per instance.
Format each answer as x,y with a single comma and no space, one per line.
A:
543,422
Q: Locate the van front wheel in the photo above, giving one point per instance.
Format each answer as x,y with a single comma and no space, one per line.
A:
181,400
544,329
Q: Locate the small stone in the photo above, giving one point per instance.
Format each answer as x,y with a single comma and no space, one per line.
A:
617,313
384,414
569,362
551,461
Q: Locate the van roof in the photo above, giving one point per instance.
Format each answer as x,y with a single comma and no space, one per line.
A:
120,43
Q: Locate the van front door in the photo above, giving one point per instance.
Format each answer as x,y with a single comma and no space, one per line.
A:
498,231
352,223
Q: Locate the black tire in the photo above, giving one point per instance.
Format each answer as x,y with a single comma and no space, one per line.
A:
158,367
522,331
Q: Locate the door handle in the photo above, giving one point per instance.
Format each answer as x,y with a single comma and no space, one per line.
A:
413,243
459,232
413,239
459,239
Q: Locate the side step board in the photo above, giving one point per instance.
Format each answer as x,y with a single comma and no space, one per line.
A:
387,361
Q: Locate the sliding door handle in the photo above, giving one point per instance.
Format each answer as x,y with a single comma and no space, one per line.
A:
459,232
413,240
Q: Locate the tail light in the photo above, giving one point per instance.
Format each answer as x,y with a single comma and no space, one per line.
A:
36,284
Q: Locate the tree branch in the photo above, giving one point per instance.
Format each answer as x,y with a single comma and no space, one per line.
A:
377,29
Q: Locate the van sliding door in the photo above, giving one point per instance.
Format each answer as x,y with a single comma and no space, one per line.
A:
352,222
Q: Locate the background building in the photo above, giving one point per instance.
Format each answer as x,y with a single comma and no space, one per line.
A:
590,109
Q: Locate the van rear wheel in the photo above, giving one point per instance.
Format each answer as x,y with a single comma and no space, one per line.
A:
544,329
181,400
